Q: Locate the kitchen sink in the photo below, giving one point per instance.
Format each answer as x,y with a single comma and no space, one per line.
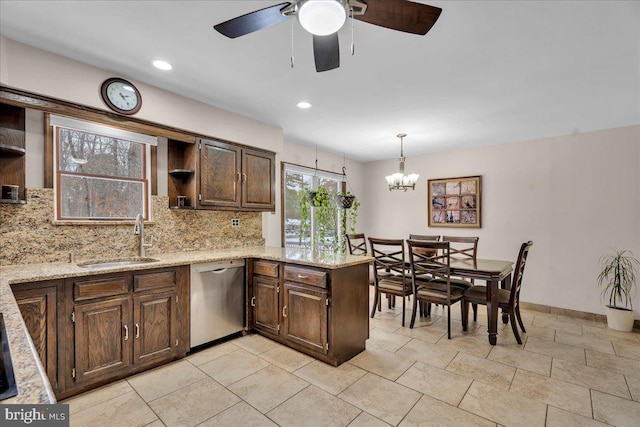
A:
117,262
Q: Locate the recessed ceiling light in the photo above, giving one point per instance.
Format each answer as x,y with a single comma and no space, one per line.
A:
162,65
303,104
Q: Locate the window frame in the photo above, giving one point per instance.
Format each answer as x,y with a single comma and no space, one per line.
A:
147,146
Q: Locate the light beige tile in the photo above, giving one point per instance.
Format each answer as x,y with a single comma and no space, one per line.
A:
591,343
628,350
125,410
432,354
559,325
367,420
161,381
634,386
601,331
382,398
541,332
563,395
559,418
487,371
443,385
314,407
329,378
193,404
614,363
211,353
96,396
596,378
423,332
380,362
233,367
386,340
156,423
255,343
554,349
614,410
388,324
268,388
503,407
432,412
521,359
286,358
240,414
477,345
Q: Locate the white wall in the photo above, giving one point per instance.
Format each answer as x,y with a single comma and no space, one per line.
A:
35,70
305,156
575,196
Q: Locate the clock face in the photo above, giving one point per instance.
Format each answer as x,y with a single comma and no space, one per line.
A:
121,96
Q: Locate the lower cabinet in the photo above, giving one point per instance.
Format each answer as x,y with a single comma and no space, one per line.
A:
122,323
321,312
38,305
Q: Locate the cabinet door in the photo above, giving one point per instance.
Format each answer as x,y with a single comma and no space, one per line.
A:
220,176
38,309
154,328
304,314
266,307
258,178
102,339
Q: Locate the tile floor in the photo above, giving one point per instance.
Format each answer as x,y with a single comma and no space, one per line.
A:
569,372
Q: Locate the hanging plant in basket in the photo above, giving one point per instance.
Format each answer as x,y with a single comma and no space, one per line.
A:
345,200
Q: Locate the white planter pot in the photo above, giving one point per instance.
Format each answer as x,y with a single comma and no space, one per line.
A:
620,319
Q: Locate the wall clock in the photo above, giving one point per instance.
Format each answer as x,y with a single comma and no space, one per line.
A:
121,96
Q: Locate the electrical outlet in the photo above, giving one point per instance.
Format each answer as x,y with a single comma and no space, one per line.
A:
235,222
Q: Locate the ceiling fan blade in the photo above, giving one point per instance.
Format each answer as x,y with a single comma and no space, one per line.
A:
401,15
326,51
252,21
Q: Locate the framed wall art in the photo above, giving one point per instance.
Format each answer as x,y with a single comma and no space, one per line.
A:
455,202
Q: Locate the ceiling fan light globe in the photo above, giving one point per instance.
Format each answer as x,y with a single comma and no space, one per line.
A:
322,17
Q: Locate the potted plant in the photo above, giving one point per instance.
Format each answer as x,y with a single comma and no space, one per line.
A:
345,200
618,279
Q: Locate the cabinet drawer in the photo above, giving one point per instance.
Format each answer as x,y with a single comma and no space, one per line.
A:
265,268
150,281
90,289
306,276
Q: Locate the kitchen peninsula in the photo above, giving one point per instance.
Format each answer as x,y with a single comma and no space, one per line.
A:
339,282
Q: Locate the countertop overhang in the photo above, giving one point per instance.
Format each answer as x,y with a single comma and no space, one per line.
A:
33,386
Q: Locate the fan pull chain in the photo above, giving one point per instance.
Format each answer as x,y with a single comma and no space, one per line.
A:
292,58
353,44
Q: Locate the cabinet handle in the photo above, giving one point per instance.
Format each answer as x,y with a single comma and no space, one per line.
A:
137,331
284,311
244,177
300,276
126,332
253,301
238,176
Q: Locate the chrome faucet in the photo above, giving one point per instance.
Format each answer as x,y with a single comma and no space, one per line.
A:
138,229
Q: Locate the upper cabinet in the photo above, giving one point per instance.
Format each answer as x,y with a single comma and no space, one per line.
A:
12,151
219,175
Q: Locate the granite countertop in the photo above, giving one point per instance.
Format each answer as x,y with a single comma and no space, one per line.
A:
33,386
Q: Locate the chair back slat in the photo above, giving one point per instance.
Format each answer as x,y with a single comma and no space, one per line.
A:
463,247
357,244
430,261
432,238
388,254
518,272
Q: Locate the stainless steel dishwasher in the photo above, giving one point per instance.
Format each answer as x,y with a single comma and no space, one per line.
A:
217,300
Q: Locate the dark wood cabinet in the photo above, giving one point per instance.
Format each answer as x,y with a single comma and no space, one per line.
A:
115,325
12,150
321,312
214,174
38,306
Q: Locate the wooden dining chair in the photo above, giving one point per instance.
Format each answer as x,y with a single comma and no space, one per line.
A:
463,248
357,244
425,309
389,268
507,299
430,278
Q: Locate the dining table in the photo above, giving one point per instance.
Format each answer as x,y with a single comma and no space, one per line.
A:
495,273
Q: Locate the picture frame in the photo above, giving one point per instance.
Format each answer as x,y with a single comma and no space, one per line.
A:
455,202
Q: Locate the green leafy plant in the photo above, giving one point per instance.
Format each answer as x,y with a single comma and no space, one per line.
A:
618,277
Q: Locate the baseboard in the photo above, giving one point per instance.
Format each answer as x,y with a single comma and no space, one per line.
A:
601,318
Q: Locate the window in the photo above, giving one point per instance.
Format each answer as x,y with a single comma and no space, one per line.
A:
296,181
101,173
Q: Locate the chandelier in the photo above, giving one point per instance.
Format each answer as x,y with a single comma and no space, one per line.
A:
400,181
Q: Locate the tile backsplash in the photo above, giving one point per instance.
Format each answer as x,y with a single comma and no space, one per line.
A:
27,234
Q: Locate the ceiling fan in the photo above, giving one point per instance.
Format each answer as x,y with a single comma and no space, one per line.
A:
323,19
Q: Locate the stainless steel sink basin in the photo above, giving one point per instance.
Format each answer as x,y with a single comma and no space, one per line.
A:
118,262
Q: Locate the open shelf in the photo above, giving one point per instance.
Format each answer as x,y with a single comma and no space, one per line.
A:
15,202
182,172
12,150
